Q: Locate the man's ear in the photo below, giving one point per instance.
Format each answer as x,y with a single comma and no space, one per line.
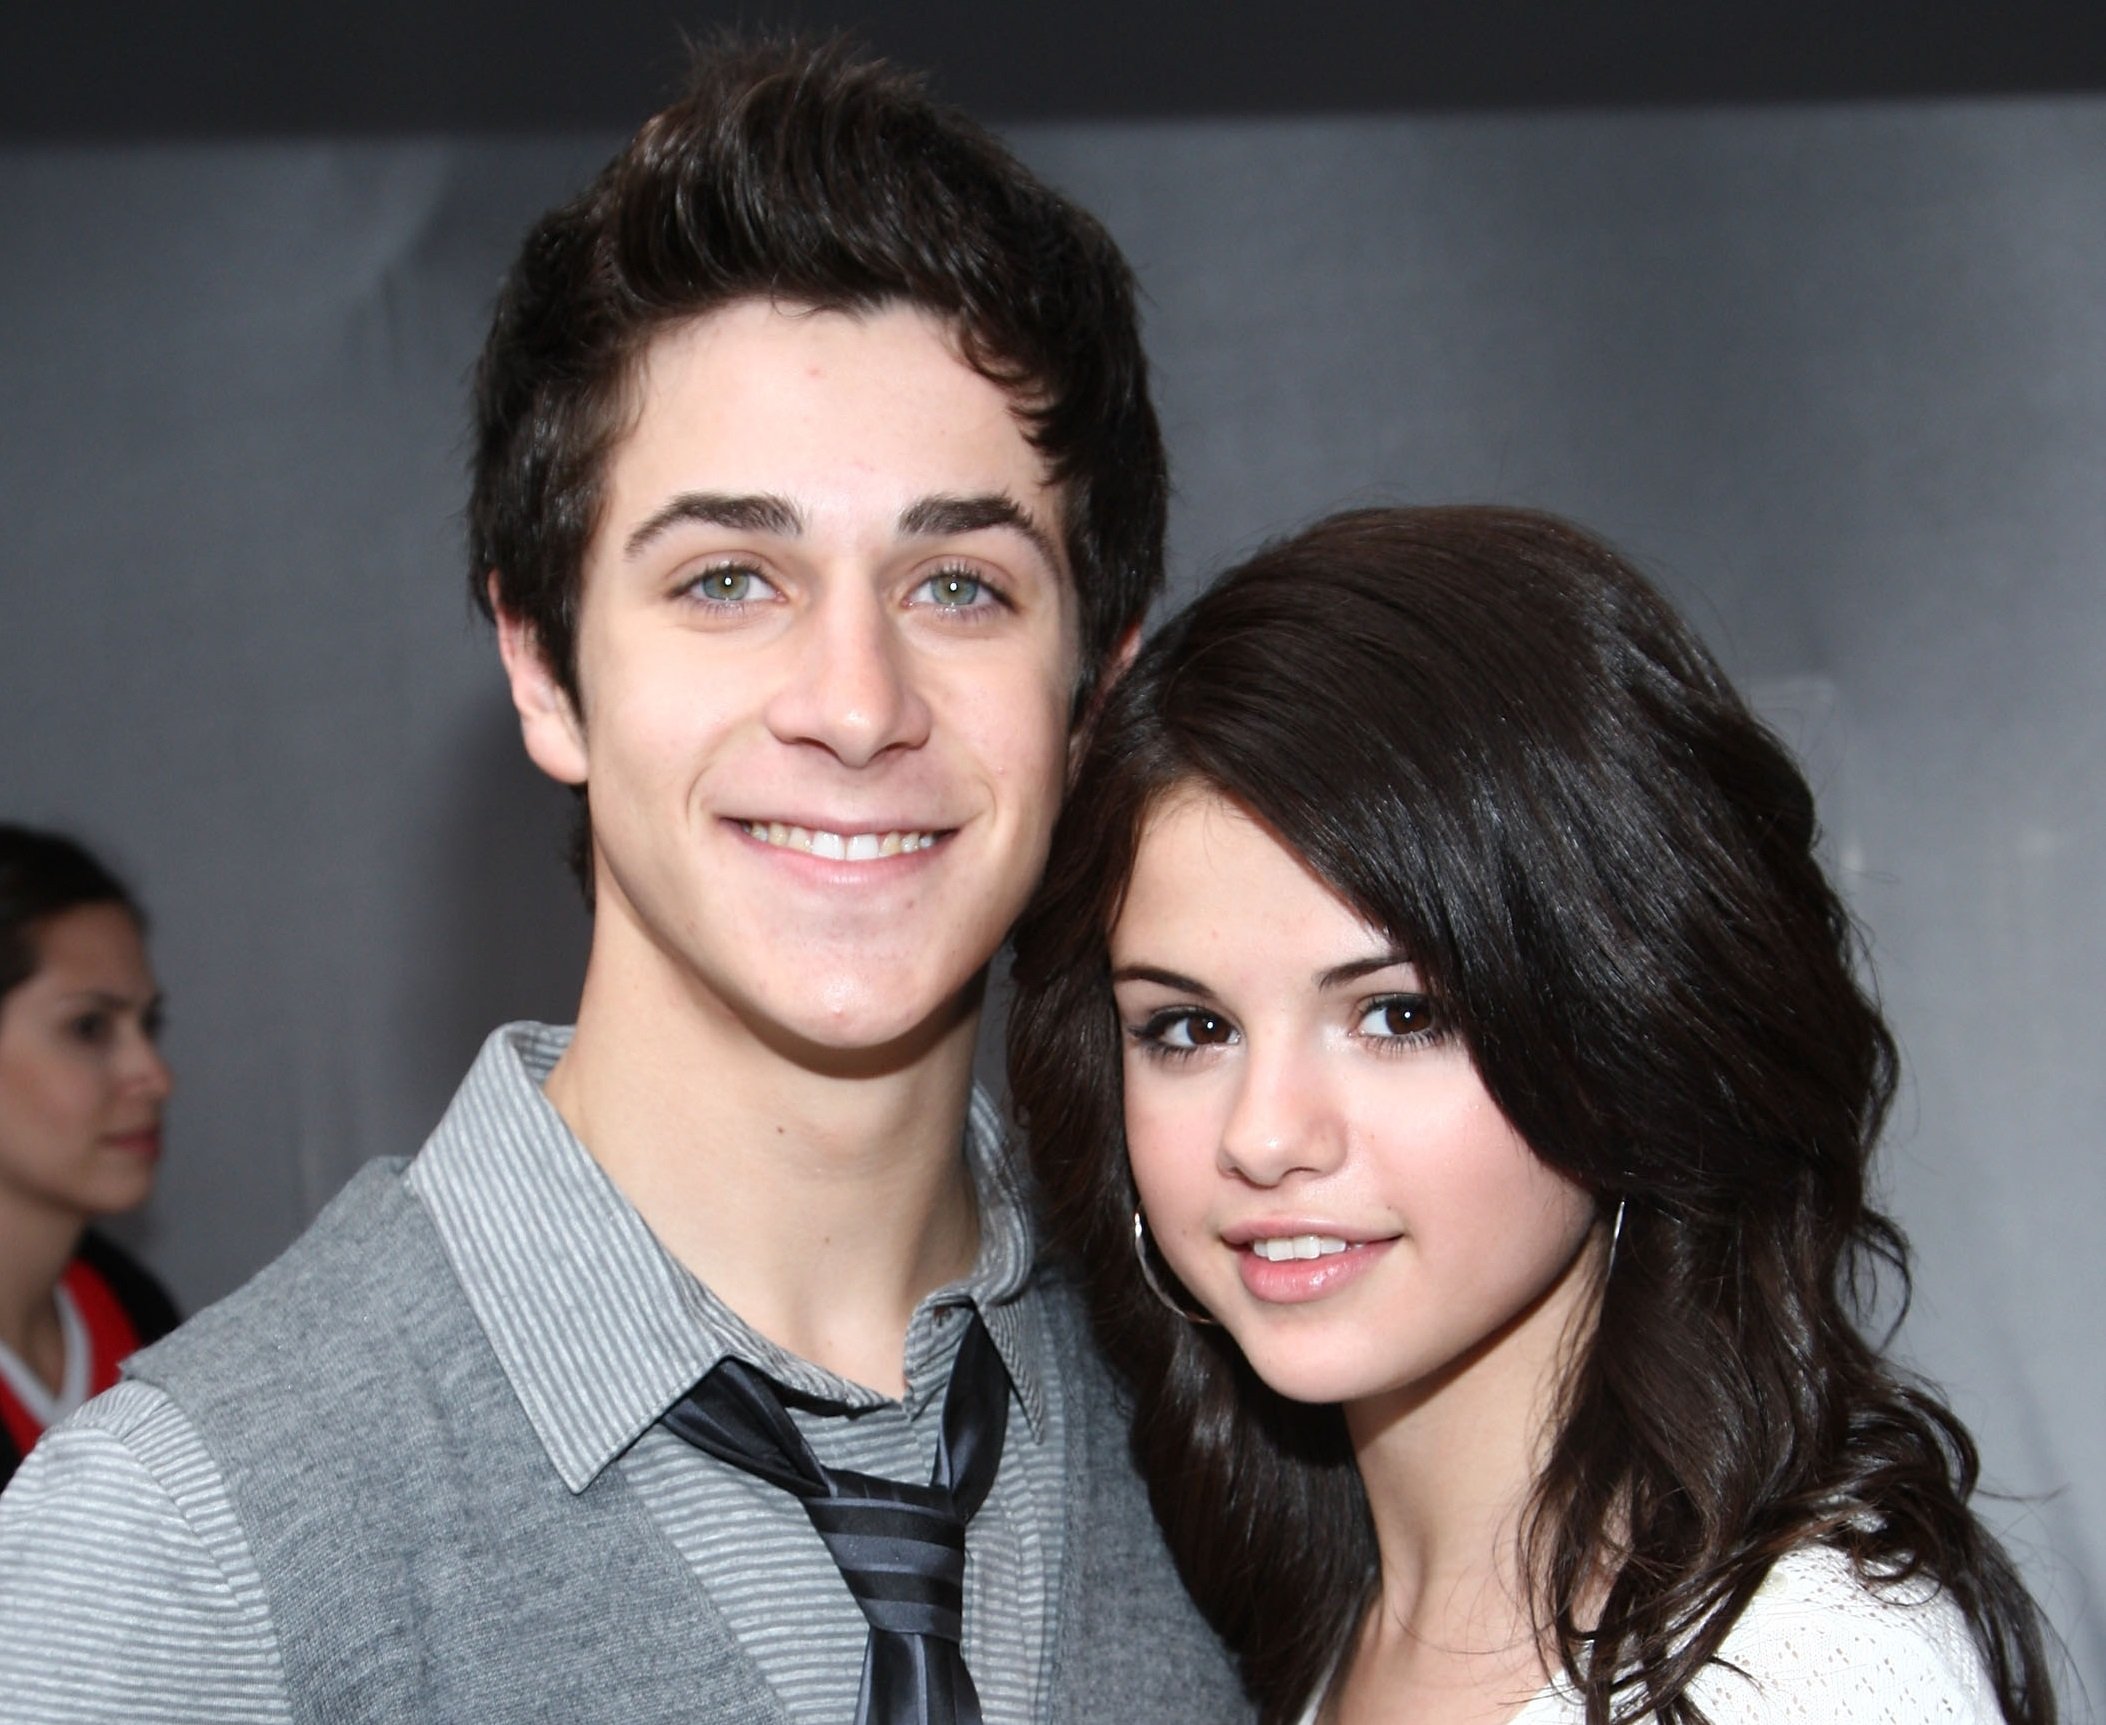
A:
1116,663
1119,658
548,718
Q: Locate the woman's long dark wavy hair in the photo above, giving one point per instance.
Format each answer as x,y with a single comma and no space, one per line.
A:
1498,743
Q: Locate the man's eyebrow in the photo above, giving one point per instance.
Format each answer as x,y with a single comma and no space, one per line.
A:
755,514
934,517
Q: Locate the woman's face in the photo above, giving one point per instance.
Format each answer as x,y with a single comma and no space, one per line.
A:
1318,1160
81,1082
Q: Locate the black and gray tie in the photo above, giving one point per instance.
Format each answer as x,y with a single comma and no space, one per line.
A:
900,1547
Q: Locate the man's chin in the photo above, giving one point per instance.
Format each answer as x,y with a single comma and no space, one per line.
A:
871,1035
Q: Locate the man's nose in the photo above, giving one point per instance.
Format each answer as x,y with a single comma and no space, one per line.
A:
851,685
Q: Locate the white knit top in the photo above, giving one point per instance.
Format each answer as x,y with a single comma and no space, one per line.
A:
1816,1646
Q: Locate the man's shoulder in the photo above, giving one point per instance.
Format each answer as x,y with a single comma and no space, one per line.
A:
352,1248
357,1326
119,1553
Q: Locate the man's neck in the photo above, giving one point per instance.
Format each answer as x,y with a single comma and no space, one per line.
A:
819,1198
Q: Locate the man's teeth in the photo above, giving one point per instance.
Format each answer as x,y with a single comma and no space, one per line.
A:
838,847
1298,1246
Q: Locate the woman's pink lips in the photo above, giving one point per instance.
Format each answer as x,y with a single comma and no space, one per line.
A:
1291,1281
147,1143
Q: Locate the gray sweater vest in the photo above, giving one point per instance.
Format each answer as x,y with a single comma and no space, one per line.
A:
423,1560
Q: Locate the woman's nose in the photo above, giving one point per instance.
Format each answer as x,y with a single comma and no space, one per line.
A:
146,1068
1284,1120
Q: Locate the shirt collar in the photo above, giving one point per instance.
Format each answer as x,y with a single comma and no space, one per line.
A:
598,1328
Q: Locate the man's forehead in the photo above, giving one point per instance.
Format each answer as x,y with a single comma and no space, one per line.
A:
803,410
757,332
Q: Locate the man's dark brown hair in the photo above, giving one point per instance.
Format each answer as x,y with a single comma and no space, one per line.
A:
812,176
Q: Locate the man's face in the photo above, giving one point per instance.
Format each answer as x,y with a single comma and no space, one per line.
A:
826,652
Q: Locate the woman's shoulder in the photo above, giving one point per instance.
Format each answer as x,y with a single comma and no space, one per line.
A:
1818,1645
1818,1642
144,1301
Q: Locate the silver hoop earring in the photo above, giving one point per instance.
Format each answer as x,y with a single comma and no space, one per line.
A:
1615,1238
1140,1253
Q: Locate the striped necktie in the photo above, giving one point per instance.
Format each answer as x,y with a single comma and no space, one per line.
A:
900,1547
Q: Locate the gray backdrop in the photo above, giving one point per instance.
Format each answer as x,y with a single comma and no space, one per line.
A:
1836,375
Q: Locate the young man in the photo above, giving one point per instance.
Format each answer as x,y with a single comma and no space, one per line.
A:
816,488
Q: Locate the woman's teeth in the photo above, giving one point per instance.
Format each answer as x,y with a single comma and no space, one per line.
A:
1298,1246
838,847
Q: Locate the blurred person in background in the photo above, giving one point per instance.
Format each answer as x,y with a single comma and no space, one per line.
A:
82,1085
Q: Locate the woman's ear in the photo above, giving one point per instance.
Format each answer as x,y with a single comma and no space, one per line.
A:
548,718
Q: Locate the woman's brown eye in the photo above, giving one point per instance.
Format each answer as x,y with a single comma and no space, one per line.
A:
1398,1016
1187,1028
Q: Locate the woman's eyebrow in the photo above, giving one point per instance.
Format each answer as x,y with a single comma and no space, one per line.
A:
1354,969
103,998
1166,978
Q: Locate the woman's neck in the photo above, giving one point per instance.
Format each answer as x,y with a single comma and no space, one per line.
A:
35,1246
1452,1636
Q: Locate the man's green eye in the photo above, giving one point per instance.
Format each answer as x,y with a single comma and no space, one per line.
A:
955,590
729,585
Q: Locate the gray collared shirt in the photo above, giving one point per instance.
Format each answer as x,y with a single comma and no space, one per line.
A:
127,1589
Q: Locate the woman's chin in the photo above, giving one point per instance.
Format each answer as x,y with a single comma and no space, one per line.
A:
1309,1374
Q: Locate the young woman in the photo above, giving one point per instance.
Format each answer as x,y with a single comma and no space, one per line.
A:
1441,1048
81,1089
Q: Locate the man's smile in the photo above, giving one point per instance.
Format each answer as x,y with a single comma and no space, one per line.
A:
838,847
